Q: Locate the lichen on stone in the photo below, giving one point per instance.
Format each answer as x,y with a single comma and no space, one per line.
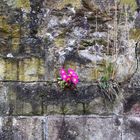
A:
25,4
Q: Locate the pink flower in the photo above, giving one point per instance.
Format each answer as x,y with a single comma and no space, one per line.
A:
75,80
68,79
64,77
75,75
62,71
71,77
71,71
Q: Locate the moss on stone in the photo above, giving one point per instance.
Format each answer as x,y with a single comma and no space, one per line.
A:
135,34
59,42
101,42
15,30
27,108
73,108
9,31
2,21
63,3
2,69
87,42
131,3
31,69
10,69
15,44
6,28
128,2
19,3
23,4
52,109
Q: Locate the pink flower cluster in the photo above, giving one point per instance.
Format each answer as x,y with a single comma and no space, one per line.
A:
70,77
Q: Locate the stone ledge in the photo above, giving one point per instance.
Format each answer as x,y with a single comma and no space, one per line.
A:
46,98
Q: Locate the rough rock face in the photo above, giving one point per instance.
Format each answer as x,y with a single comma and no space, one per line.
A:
70,128
98,39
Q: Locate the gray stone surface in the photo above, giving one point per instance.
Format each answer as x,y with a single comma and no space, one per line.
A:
131,128
22,128
83,128
4,102
60,127
42,99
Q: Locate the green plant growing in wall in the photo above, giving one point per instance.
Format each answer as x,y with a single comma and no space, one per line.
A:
108,87
108,71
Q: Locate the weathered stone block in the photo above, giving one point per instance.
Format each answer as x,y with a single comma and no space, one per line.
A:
22,128
73,108
131,128
4,102
6,131
24,100
101,105
83,128
52,109
42,98
31,69
28,128
132,102
26,69
11,69
68,108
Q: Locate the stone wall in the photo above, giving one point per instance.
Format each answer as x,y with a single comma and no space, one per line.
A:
98,39
88,127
